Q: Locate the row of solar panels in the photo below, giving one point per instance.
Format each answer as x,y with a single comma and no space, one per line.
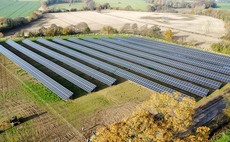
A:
173,63
128,51
189,52
194,89
152,64
107,67
186,52
57,88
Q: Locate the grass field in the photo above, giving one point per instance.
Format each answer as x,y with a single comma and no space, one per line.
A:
135,4
78,6
224,6
18,8
140,5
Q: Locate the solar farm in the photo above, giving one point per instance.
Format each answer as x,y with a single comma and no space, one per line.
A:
159,66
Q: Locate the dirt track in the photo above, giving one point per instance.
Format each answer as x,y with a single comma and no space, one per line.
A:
199,30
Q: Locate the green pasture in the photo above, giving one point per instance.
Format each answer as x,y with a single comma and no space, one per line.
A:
18,8
224,6
140,5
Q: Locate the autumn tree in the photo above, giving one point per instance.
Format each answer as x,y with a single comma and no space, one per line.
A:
108,30
1,35
168,35
163,118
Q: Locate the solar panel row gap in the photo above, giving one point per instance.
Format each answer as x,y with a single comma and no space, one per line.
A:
179,65
105,66
73,78
55,87
163,68
137,68
77,65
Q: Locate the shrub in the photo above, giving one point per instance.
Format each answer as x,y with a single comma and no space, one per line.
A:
82,28
108,30
1,35
129,8
221,47
168,35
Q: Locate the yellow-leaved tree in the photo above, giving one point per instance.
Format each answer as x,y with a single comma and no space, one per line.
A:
168,35
163,118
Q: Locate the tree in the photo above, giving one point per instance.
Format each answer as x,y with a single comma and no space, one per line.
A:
108,30
1,35
82,28
164,118
98,8
90,4
168,35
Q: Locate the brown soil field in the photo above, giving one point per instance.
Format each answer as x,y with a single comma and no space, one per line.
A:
201,31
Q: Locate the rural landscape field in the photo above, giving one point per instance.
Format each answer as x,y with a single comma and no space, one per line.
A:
114,70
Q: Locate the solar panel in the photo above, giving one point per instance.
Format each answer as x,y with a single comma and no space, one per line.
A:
77,65
176,52
194,52
163,68
55,87
110,68
137,68
179,65
182,59
73,78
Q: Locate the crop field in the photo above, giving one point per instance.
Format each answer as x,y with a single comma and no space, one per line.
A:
18,8
139,5
224,6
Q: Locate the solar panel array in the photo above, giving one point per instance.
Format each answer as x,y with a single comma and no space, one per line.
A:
141,47
73,78
187,54
110,68
193,53
194,89
158,66
179,65
77,65
58,89
163,68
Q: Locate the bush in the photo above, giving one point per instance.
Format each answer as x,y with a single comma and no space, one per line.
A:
168,35
73,9
108,30
1,35
82,28
221,47
129,8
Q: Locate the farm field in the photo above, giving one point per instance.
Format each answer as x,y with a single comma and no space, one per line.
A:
78,6
138,5
202,31
224,6
18,8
